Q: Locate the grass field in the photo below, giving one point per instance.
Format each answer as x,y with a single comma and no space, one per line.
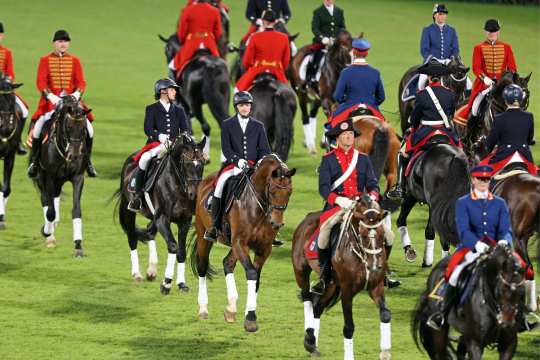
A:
55,307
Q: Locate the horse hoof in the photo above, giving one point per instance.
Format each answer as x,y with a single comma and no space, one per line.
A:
165,289
424,265
229,316
43,233
182,287
2,225
203,315
385,355
316,354
137,278
410,254
150,276
251,325
78,253
310,342
51,242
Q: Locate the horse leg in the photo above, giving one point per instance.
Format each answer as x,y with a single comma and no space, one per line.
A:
202,254
507,345
76,214
430,243
205,127
474,349
151,271
164,227
127,220
9,161
241,252
229,263
183,228
385,317
348,327
49,214
406,207
250,323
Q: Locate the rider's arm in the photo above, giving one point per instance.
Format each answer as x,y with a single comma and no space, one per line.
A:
455,44
477,62
341,23
339,93
379,91
531,131
316,26
504,227
183,30
417,112
424,44
218,27
493,137
42,81
79,83
510,60
263,147
185,124
9,65
250,11
325,181
466,235
149,124
226,147
249,55
372,184
286,55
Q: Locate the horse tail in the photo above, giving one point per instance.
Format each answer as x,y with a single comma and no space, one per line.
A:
419,328
284,111
379,150
215,90
194,258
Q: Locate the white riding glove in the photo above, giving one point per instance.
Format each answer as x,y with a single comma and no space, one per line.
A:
502,242
53,98
487,81
163,138
344,203
481,247
325,40
242,164
76,95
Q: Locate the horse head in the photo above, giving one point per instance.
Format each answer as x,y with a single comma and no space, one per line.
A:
188,159
523,82
458,74
71,117
8,123
505,277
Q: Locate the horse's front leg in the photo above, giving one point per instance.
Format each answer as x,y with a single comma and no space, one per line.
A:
507,345
348,325
164,227
76,214
474,349
385,317
429,244
406,207
229,263
183,228
241,252
5,191
49,213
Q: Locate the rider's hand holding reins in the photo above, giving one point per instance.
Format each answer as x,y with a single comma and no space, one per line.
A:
163,138
344,203
242,164
487,81
77,95
481,247
53,98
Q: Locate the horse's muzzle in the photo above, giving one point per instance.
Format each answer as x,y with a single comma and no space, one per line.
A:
276,225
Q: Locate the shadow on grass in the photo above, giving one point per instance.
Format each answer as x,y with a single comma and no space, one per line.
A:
6,267
91,312
182,347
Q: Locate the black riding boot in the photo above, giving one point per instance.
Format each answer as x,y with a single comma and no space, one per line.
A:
136,203
90,169
437,319
34,158
215,210
20,148
399,189
313,68
325,263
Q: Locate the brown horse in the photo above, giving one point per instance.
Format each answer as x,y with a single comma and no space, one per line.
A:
254,219
359,261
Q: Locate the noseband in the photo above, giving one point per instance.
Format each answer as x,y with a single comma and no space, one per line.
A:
11,116
181,173
65,136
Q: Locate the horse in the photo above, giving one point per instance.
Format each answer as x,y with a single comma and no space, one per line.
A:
438,177
63,158
455,81
488,314
359,260
205,80
274,104
171,199
11,126
253,220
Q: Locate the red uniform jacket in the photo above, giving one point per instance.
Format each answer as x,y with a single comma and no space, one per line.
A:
199,26
490,60
58,74
6,62
219,2
267,51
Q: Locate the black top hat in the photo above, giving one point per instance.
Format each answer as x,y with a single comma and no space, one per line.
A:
440,8
434,68
269,15
61,35
341,127
492,25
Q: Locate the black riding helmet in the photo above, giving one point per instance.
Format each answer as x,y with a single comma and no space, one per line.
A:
242,97
162,84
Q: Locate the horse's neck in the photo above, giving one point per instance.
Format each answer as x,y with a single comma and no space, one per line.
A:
7,102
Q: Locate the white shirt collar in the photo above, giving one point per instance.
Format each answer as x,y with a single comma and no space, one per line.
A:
359,61
166,105
243,122
481,194
330,9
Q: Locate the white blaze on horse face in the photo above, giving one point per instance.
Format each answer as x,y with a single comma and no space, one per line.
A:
404,235
308,315
203,292
77,229
251,303
169,270
386,336
348,349
134,262
181,273
428,251
2,204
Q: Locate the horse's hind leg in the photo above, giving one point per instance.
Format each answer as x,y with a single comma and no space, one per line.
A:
385,317
430,243
202,255
164,227
76,214
9,161
151,271
127,220
406,207
229,263
205,127
183,228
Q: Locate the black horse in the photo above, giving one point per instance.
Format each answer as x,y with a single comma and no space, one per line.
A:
489,313
169,199
11,126
274,104
63,157
456,81
438,177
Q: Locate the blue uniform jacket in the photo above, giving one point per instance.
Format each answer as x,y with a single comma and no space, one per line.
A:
359,84
158,121
441,43
330,171
235,144
255,9
513,130
479,218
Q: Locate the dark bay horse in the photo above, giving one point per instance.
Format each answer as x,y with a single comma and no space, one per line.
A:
254,219
11,126
488,316
171,199
359,261
438,177
274,104
63,158
456,81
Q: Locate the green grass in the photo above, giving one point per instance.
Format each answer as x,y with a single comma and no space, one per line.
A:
53,306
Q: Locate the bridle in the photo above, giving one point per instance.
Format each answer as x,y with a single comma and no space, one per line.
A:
11,116
180,172
64,137
265,204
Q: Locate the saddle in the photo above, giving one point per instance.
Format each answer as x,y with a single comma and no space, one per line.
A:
310,248
512,169
266,79
155,168
422,149
409,90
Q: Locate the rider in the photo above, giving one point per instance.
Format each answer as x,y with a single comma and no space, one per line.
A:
327,22
164,120
359,83
482,221
219,4
512,132
491,58
59,74
344,174
199,27
439,41
256,8
267,51
433,108
243,143
6,67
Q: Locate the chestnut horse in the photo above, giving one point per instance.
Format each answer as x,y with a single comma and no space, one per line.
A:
254,219
359,260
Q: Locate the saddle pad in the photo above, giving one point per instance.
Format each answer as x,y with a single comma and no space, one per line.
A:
153,172
409,91
412,161
310,247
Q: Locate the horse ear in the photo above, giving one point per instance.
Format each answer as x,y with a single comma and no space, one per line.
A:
361,35
17,85
202,143
291,172
467,69
87,111
527,78
293,37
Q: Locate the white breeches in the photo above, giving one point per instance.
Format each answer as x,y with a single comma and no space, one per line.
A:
326,228
149,155
47,116
469,258
218,191
422,81
478,100
24,109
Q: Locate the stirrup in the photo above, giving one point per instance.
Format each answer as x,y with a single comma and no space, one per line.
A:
431,322
211,234
135,204
396,193
32,170
319,288
91,170
534,324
